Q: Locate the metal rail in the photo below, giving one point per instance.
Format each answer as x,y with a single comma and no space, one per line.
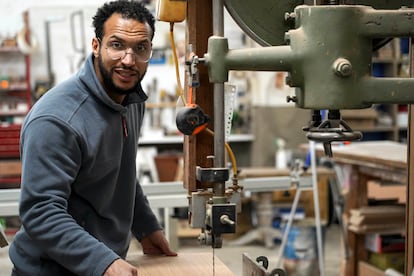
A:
169,194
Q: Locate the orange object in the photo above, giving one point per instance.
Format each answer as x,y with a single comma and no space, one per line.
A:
4,84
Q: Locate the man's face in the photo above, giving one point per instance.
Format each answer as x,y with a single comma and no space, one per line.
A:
121,75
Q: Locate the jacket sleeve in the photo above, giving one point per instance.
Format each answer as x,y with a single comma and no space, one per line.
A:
145,222
51,157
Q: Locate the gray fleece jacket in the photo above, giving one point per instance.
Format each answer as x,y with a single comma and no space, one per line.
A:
80,199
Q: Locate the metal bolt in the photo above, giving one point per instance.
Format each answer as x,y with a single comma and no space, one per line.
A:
342,67
288,80
225,219
290,16
287,38
291,99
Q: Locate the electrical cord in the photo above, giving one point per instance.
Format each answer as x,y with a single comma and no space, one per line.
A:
229,151
181,95
177,71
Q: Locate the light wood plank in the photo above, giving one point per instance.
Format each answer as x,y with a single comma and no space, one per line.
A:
184,264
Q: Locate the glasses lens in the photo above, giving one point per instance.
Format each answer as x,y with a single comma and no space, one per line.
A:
144,56
120,54
116,54
140,54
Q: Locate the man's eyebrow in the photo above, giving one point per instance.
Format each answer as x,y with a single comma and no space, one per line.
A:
116,37
147,41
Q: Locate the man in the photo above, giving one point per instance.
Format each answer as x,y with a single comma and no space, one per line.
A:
80,200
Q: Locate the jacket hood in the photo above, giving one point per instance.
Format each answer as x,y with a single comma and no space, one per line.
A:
88,77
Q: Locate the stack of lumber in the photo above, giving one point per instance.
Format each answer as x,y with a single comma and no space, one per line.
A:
384,218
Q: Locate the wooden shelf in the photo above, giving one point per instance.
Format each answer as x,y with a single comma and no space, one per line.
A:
16,100
376,129
10,49
16,86
12,113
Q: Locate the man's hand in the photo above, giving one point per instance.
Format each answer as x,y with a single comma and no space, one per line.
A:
121,268
155,243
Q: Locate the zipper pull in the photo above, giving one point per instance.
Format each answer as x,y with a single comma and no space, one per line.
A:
124,126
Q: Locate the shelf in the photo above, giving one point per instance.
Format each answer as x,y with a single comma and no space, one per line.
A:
383,60
180,139
376,129
15,102
161,105
10,49
12,113
9,140
10,127
15,86
10,180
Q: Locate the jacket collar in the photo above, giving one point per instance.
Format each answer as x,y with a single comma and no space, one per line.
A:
89,78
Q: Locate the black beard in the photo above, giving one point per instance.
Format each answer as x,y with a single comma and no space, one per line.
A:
110,85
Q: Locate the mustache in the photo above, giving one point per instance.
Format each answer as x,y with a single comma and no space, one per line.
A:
127,69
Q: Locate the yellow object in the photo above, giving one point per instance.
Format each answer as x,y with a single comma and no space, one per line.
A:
171,10
230,153
177,71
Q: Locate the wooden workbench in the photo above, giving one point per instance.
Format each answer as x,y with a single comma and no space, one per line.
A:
383,160
183,264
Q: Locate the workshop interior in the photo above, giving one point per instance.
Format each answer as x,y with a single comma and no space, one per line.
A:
276,138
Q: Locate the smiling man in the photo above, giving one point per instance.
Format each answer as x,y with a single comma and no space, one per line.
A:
80,199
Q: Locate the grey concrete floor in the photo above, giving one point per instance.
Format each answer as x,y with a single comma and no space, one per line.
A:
231,256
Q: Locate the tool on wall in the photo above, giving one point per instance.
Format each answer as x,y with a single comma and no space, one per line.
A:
42,86
78,39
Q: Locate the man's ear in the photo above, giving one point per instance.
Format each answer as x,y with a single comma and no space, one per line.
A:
95,47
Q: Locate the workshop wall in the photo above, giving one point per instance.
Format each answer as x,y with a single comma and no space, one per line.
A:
278,122
253,89
65,59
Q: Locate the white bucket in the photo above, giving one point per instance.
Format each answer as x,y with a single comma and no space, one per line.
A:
300,257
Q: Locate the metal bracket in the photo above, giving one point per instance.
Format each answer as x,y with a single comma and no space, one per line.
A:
212,174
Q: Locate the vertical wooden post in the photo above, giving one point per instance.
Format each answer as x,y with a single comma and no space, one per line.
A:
409,211
197,148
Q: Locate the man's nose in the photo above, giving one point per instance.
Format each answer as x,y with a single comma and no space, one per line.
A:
129,58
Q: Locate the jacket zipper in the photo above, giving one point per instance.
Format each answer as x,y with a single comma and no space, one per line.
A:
124,126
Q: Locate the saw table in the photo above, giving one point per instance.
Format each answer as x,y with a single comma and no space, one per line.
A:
184,264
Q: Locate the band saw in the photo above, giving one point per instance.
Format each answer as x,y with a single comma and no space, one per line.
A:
326,49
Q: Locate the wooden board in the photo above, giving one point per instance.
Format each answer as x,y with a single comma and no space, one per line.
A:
386,153
369,270
184,264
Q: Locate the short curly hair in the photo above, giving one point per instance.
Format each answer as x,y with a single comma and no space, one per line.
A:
129,9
